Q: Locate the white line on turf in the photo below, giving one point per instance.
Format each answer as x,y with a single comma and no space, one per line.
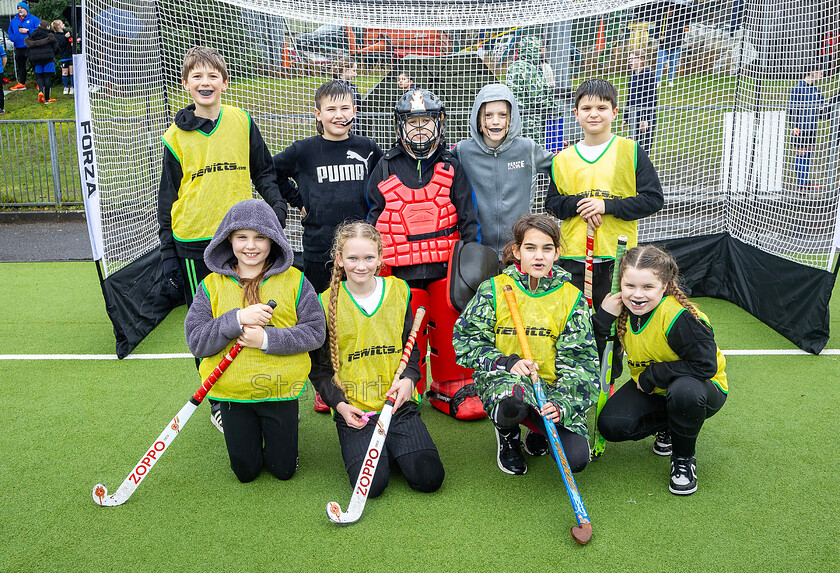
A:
757,352
89,356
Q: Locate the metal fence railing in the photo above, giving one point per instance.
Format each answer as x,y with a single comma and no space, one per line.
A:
39,163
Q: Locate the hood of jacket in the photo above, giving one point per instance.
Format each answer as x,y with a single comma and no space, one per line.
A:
40,34
529,49
254,214
495,92
187,120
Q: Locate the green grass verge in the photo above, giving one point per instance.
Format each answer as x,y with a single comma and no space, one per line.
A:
767,499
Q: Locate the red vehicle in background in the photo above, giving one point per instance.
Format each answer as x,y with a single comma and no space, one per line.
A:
369,45
401,43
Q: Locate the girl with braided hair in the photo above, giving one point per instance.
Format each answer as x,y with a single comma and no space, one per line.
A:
369,319
676,368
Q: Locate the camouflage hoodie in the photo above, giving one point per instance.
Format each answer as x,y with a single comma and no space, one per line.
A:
576,361
528,84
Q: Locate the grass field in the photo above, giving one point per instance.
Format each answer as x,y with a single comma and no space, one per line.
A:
767,501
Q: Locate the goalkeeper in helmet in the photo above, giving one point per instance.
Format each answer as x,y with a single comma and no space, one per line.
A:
422,203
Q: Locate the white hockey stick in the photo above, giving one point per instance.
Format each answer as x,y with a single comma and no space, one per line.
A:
374,451
147,462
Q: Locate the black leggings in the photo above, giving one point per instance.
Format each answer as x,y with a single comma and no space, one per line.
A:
632,415
510,412
261,434
601,278
408,444
45,83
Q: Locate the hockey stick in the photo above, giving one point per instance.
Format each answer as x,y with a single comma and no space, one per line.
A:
607,356
362,488
587,269
150,458
582,532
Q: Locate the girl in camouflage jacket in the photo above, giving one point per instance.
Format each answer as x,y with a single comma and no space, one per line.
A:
559,329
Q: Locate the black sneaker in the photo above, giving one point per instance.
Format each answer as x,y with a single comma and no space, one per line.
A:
216,415
509,455
683,475
535,444
662,444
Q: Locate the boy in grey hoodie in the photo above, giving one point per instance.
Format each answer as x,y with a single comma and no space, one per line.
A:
501,164
251,263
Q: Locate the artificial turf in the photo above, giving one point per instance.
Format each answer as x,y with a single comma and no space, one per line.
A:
767,499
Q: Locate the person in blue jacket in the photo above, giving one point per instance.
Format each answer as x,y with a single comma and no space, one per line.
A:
19,28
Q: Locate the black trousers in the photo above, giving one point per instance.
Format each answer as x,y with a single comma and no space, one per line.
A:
318,274
193,272
601,278
632,415
261,434
21,57
511,412
408,444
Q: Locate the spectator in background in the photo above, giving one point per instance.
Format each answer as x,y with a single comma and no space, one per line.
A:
670,31
404,81
806,108
829,51
64,50
736,19
642,99
3,61
20,27
532,91
40,47
346,70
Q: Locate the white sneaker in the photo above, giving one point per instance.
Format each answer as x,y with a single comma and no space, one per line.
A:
71,92
216,416
683,475
66,91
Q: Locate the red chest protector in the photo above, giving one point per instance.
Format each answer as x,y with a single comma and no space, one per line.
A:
418,225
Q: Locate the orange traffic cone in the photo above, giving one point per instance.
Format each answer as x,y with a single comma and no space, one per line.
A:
600,37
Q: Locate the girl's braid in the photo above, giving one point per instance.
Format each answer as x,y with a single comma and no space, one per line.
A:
673,290
335,284
621,324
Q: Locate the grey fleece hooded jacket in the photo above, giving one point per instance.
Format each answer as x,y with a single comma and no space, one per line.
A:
503,179
208,335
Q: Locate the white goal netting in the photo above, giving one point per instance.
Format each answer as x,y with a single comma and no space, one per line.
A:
735,100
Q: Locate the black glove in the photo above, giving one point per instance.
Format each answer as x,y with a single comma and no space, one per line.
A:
645,383
172,273
507,362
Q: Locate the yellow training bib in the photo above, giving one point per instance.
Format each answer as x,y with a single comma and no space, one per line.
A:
650,343
216,173
370,345
545,315
255,376
610,176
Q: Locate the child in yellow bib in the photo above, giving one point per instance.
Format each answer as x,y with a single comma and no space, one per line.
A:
369,319
677,370
605,182
251,263
211,155
559,331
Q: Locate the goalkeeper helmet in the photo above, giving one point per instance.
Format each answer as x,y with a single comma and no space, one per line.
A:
419,119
